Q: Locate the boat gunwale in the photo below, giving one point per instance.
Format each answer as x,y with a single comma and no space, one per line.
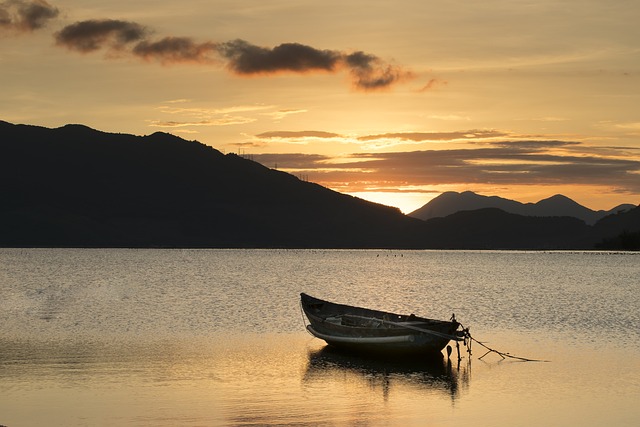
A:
308,301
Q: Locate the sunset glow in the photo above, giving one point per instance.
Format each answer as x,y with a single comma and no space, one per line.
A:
391,102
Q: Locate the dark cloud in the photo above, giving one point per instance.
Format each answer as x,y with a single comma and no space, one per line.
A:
513,163
360,60
298,134
91,35
435,136
534,145
502,165
177,49
368,72
246,58
20,15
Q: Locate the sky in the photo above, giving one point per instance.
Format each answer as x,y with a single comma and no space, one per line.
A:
394,102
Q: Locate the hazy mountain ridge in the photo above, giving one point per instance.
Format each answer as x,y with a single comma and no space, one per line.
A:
77,187
555,206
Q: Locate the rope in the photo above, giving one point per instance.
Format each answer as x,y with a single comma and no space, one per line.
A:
304,322
491,350
504,355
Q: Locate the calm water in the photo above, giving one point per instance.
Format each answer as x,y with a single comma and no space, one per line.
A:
216,338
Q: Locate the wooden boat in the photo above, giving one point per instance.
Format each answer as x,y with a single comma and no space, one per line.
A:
364,330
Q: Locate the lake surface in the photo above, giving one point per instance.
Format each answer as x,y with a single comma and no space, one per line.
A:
216,338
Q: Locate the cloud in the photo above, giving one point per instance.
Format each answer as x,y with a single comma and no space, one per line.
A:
92,35
431,84
507,163
632,126
281,114
368,72
177,49
245,58
536,145
435,136
26,16
199,116
298,134
222,121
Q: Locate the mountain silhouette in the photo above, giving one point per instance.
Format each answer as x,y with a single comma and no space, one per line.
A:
493,228
618,231
74,186
555,206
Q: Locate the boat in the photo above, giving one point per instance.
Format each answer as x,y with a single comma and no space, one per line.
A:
372,331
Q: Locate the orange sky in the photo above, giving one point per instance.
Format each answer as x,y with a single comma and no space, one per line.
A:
395,102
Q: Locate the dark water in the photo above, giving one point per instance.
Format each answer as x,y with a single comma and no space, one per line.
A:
216,338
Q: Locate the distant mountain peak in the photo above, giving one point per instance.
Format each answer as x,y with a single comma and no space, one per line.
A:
77,126
558,198
557,205
163,137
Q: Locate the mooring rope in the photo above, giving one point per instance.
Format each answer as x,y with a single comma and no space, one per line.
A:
502,354
304,322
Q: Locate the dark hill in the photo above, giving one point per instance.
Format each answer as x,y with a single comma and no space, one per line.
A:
451,202
75,186
619,231
493,228
558,205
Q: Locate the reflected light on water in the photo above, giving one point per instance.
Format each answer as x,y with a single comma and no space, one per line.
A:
272,380
292,379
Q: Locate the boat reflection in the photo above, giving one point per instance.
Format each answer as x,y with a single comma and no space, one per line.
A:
435,374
